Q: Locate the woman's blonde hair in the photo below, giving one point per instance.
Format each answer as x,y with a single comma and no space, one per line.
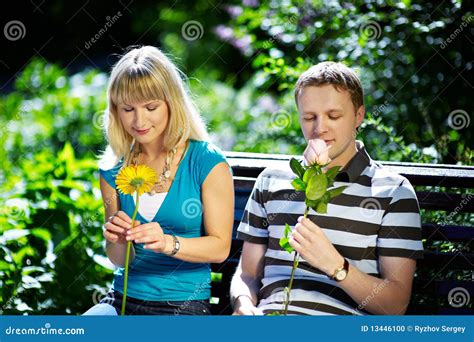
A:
141,75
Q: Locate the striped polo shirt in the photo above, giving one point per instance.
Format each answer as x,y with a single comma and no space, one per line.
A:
376,215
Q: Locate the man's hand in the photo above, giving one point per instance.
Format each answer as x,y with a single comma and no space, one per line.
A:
311,243
245,307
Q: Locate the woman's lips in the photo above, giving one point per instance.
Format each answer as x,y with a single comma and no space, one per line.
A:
142,131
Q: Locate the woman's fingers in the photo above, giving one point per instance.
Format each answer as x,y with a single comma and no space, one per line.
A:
122,215
157,245
147,238
144,229
114,228
111,236
142,232
118,221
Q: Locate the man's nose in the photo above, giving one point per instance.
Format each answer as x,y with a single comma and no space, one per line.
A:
320,126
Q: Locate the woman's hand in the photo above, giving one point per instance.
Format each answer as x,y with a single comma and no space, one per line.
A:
152,236
116,227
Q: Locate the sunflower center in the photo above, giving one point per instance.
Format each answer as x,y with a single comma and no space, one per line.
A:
137,182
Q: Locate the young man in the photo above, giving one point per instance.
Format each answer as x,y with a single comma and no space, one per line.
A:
360,257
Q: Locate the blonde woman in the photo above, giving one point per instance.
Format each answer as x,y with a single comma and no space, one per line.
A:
185,221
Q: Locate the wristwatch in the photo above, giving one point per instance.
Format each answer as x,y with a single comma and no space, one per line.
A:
341,273
176,246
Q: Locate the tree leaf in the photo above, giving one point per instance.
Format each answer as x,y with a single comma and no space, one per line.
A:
332,172
287,230
311,204
286,245
317,186
336,191
308,174
322,207
298,184
297,168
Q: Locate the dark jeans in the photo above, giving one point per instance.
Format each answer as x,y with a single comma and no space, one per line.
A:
146,307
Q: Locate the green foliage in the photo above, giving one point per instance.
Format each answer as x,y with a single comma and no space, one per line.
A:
284,241
390,44
52,260
51,245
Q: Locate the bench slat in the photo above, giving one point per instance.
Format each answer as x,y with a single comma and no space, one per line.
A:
252,164
436,232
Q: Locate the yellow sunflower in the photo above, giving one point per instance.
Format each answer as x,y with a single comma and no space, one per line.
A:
136,179
139,178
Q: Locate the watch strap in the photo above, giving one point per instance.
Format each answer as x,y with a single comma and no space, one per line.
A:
176,246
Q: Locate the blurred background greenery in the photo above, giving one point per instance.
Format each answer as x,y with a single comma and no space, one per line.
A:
242,59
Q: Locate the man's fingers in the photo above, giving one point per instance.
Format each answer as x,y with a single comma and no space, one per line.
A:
295,235
243,312
295,244
257,311
247,311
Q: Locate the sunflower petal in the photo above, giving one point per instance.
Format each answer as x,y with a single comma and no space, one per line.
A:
140,178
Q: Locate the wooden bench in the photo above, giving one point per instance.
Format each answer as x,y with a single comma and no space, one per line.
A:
442,188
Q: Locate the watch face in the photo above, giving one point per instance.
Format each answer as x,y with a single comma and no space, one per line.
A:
341,275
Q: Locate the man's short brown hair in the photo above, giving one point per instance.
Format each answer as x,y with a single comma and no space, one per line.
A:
337,74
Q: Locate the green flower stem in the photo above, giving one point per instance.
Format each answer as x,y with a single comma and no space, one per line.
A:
127,259
295,266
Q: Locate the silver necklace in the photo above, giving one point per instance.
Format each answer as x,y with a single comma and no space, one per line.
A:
164,176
